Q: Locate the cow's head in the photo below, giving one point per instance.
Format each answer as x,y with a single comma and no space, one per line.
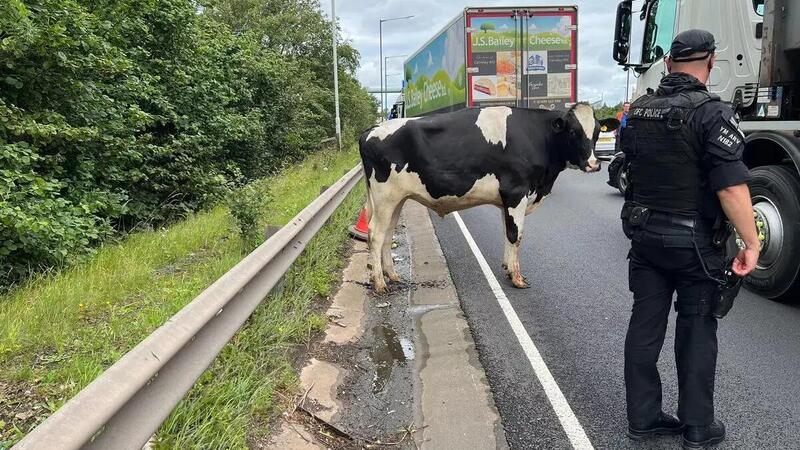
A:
577,131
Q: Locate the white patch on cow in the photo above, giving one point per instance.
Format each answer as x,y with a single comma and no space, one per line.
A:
585,115
493,124
388,128
518,213
406,184
533,204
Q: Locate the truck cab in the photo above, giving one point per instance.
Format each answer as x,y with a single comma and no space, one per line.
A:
757,72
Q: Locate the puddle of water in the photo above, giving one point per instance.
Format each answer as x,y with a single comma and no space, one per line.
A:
408,348
387,353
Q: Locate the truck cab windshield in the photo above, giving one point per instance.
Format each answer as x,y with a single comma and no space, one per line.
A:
659,29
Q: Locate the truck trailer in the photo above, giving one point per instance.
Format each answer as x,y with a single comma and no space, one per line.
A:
757,71
521,56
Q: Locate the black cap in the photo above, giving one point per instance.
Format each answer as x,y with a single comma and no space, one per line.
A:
689,42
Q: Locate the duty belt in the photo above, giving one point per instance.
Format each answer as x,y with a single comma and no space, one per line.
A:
669,230
669,220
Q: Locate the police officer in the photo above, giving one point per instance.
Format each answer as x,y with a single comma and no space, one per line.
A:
686,176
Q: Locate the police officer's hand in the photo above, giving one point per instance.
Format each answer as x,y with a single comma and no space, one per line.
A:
745,261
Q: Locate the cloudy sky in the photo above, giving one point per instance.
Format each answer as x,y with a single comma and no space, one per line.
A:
598,75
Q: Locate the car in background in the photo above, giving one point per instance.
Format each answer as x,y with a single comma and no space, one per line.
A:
606,145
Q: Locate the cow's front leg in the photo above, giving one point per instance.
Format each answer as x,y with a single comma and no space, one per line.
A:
508,247
514,218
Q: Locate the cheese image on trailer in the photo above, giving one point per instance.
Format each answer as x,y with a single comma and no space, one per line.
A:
506,86
507,63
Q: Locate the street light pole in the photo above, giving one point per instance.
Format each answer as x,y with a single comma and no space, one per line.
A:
381,61
386,75
334,33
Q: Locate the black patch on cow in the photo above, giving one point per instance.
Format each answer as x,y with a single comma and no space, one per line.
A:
449,152
511,228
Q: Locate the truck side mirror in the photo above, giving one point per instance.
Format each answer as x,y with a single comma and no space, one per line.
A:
622,32
758,5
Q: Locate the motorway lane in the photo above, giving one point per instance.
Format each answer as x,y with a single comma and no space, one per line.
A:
576,312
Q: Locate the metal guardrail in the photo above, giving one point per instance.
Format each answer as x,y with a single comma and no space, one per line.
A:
124,406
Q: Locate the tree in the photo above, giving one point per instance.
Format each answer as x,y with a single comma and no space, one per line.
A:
117,113
606,111
486,26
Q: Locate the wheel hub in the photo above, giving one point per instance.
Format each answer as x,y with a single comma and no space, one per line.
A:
770,231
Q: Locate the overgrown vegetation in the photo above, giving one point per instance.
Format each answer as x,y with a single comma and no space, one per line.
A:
247,206
123,113
59,332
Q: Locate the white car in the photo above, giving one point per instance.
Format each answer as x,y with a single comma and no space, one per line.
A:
606,146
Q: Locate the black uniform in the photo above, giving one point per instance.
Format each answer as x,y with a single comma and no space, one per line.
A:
683,145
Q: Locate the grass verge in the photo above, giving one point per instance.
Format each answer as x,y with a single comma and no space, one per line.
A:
58,332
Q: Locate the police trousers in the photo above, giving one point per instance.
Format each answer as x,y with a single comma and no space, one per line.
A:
656,272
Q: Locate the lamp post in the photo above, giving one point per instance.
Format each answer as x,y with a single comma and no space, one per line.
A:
380,61
386,76
334,33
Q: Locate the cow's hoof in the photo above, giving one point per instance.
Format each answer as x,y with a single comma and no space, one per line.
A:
381,289
520,282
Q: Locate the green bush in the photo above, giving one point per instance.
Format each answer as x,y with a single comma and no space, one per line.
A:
247,205
118,113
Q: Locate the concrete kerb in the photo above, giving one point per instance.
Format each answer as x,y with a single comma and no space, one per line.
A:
455,408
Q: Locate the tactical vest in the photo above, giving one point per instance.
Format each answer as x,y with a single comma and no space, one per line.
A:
664,153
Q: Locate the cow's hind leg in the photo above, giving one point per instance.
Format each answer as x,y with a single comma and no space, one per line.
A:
386,251
379,223
514,218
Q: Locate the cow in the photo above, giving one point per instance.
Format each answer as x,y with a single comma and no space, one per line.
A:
503,156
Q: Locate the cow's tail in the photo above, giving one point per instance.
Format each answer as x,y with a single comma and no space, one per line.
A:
369,205
362,143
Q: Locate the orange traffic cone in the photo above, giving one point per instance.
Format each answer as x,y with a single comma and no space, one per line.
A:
360,229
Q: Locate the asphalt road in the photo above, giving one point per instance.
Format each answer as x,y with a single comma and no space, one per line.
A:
576,313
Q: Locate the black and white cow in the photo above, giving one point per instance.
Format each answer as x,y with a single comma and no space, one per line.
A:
507,157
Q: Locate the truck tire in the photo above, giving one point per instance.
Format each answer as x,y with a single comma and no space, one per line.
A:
775,191
622,181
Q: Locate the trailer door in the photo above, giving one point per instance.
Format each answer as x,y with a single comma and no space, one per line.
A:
522,57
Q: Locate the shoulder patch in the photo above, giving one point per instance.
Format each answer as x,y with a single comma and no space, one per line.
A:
726,137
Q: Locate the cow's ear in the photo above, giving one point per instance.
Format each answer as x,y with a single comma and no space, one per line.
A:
609,124
559,124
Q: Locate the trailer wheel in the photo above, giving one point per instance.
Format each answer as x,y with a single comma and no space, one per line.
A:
775,191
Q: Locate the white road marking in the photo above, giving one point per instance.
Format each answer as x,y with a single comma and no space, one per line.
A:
575,432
